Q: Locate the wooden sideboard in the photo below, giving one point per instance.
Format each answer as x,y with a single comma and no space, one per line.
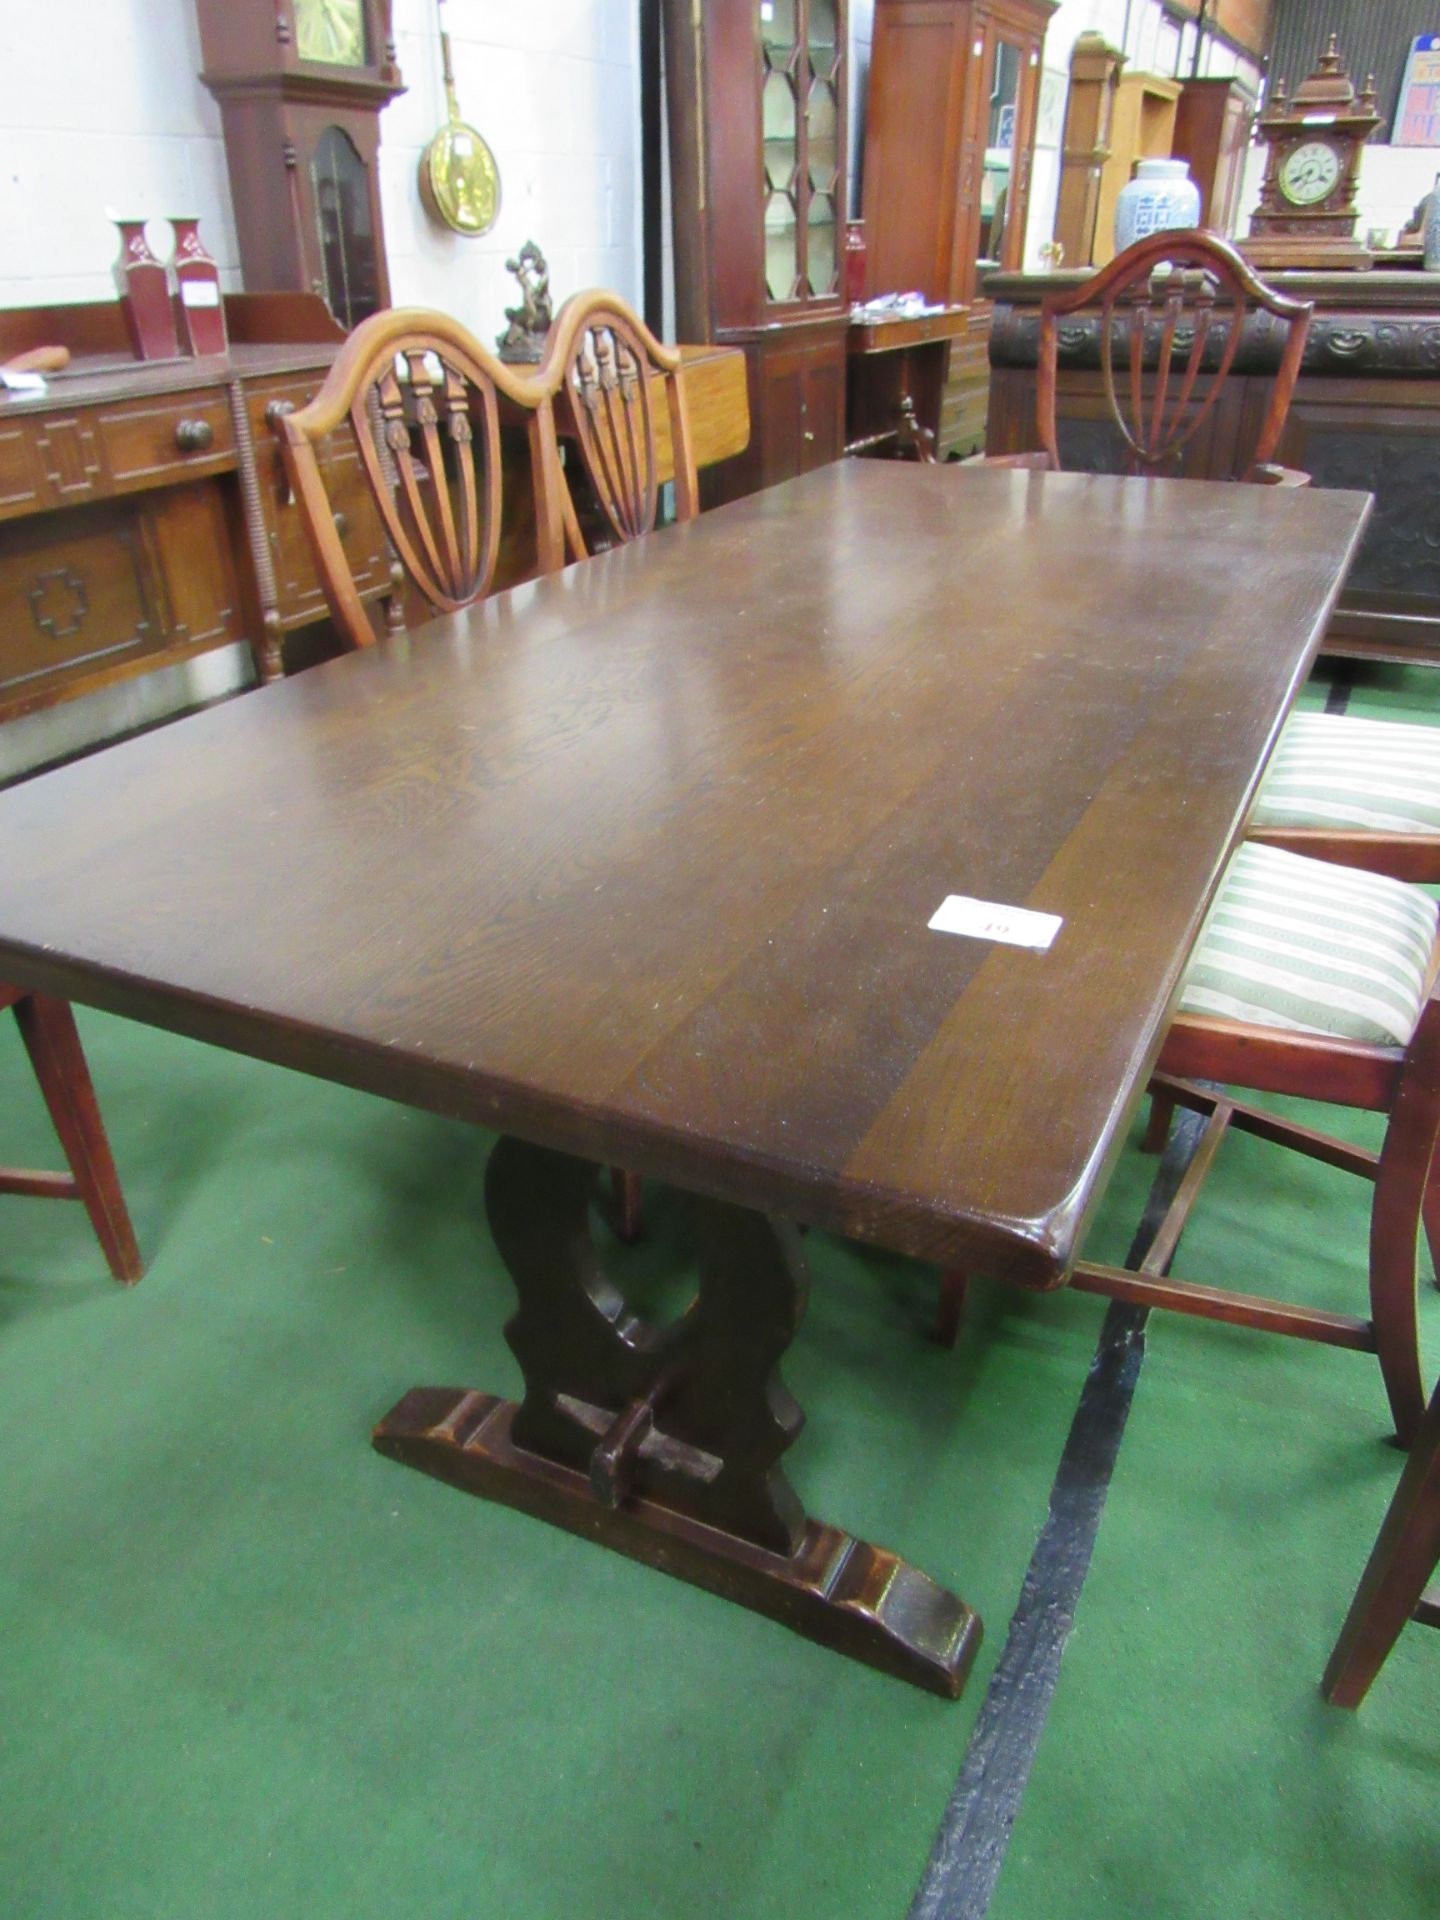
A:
144,514
1366,414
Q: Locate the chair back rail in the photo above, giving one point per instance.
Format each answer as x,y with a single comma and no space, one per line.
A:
422,398
1173,318
600,355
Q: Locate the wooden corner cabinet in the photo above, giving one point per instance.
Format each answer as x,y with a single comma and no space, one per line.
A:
757,109
949,135
300,85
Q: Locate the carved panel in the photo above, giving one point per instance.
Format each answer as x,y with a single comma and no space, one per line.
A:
1345,344
69,457
19,474
78,592
1401,551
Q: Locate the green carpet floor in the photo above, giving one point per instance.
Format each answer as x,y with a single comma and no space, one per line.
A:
249,1667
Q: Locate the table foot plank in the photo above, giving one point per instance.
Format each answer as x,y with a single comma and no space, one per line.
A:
855,1598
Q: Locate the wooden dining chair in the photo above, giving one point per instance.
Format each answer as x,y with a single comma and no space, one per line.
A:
1169,314
606,365
1318,981
1393,1588
47,1027
422,398
422,395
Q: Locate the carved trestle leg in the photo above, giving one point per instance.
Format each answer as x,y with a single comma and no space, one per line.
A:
665,1442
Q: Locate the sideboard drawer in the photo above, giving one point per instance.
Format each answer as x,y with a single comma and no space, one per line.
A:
146,443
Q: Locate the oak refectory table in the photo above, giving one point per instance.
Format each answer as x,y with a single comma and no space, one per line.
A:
636,865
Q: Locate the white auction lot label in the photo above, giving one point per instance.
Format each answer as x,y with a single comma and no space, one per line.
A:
988,920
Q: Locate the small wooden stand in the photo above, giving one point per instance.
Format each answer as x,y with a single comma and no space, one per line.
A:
664,1443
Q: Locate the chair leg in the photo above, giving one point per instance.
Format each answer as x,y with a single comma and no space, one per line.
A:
628,1221
1403,1180
1404,1557
1430,1213
954,1284
48,1029
1157,1127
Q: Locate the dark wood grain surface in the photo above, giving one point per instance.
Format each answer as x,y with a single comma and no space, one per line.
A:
637,861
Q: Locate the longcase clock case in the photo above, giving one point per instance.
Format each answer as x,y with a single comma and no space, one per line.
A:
301,116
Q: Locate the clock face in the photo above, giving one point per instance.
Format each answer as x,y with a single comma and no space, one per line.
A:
332,31
1309,172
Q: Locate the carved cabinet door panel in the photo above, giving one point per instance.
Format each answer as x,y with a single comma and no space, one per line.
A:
1380,437
196,544
81,593
824,410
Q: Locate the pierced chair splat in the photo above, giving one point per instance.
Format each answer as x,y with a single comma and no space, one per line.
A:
609,370
422,398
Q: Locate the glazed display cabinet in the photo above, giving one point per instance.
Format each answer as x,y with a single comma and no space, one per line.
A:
757,105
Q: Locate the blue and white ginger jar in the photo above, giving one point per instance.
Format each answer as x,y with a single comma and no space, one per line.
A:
1161,195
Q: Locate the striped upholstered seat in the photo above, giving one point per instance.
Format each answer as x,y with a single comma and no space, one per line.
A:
1314,948
1335,770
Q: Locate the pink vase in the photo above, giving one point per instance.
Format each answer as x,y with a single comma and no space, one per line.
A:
144,295
198,304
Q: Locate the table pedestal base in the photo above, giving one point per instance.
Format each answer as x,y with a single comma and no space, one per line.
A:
858,1599
664,1442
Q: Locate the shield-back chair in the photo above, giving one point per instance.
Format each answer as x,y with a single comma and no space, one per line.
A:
620,399
1170,316
422,398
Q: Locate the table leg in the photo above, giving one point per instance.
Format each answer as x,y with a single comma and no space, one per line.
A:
665,1443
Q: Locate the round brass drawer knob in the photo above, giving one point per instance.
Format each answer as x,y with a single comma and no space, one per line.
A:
194,436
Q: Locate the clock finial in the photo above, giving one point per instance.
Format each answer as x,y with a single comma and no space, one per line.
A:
1367,94
1330,59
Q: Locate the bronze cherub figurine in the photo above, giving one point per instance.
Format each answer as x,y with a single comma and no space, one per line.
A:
523,341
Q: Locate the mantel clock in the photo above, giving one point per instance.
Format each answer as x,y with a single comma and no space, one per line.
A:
301,84
1306,216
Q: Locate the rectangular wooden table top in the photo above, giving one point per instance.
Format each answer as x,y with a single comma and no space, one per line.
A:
637,861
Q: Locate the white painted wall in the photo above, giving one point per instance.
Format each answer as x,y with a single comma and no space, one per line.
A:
554,87
122,120
100,107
